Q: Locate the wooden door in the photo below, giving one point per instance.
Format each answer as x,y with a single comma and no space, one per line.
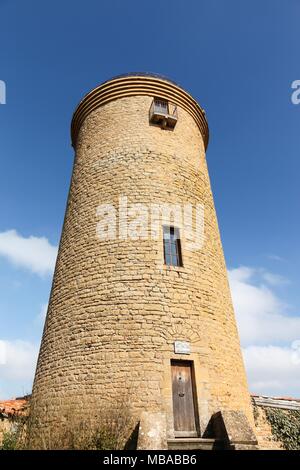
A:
185,416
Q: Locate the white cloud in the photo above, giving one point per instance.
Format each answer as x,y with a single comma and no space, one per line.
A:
40,318
33,253
243,273
273,279
269,336
17,367
2,353
272,370
261,315
275,257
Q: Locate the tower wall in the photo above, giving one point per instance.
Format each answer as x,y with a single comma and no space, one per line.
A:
115,308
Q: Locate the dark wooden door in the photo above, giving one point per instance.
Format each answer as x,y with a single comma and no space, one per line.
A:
185,422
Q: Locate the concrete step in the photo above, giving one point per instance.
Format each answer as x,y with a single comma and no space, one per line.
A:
195,443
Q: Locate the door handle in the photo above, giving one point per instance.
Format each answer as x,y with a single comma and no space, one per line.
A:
181,394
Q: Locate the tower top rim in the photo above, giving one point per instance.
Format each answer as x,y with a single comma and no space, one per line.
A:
143,74
136,84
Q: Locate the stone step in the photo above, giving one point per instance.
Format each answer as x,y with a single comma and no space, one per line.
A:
195,443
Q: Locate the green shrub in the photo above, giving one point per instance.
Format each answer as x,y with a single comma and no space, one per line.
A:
285,425
9,440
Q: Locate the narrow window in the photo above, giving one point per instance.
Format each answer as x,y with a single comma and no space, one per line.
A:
163,113
172,246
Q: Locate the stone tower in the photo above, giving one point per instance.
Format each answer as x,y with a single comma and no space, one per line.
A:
140,305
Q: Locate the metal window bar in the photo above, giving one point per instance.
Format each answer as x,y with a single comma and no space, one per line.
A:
173,107
161,106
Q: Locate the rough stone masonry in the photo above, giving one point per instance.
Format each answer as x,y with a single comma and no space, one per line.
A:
116,309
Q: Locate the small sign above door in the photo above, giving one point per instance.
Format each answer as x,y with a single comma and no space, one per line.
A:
182,347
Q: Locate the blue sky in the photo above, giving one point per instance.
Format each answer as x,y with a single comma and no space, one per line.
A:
238,59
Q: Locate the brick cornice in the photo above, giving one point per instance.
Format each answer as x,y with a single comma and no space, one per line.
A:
135,85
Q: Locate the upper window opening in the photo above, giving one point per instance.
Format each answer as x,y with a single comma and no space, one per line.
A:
172,246
163,113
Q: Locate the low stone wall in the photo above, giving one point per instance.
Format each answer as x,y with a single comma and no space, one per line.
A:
9,410
263,430
261,409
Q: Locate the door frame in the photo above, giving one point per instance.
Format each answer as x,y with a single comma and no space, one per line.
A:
189,363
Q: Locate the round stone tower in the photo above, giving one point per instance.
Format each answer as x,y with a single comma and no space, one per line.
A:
140,305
